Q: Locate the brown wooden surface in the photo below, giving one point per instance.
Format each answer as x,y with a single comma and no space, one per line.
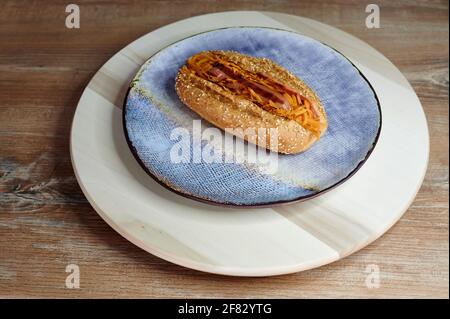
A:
46,222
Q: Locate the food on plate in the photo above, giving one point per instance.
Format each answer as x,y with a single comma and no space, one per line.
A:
237,92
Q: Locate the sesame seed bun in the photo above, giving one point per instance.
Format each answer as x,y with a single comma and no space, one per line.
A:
227,110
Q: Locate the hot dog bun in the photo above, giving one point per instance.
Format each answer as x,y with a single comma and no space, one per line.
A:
237,91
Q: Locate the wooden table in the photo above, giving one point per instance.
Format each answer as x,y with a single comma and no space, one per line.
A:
46,223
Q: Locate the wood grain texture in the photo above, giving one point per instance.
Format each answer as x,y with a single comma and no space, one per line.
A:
46,223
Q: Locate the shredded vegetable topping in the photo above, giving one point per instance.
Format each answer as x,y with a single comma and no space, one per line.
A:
265,92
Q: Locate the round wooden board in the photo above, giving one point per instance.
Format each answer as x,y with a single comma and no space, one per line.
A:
248,242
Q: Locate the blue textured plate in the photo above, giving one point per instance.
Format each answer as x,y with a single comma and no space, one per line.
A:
153,113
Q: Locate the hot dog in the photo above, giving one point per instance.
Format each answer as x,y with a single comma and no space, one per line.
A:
232,90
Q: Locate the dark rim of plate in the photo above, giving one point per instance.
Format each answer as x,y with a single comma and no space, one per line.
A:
262,205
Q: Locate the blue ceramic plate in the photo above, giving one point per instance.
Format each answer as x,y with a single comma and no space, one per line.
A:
160,129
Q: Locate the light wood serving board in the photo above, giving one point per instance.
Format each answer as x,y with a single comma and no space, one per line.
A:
248,242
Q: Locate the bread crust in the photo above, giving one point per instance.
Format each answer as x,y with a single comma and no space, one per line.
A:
230,111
